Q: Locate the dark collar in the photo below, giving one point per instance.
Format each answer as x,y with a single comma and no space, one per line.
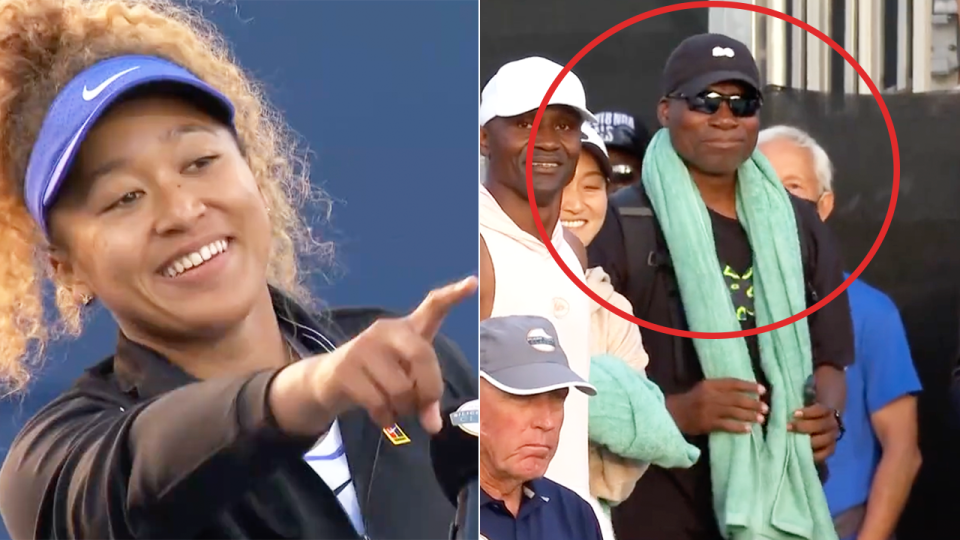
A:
144,373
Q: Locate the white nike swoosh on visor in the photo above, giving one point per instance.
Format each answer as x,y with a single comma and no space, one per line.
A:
89,95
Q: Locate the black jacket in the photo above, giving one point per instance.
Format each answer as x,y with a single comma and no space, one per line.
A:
139,449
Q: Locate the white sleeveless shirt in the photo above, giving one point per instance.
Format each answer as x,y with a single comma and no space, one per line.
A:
529,282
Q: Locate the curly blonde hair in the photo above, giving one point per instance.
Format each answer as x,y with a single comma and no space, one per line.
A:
46,43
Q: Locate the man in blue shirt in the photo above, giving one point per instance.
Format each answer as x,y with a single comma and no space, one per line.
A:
524,380
877,460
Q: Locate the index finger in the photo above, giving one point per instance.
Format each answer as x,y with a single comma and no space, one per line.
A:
429,315
814,411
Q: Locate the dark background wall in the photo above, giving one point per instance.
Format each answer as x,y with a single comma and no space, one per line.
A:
919,263
385,94
622,72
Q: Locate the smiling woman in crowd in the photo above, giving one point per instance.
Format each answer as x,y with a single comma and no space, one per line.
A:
582,212
612,477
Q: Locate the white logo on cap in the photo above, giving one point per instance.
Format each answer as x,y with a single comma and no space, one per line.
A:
539,339
723,51
89,95
467,417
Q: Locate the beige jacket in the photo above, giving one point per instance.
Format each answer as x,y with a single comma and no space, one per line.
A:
612,477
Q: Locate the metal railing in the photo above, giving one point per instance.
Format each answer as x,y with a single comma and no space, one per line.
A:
917,54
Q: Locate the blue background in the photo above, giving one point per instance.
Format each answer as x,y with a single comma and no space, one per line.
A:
385,95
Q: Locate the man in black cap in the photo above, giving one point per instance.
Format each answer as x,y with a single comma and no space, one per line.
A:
626,140
524,381
710,106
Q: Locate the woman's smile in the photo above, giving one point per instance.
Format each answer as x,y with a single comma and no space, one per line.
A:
573,223
198,265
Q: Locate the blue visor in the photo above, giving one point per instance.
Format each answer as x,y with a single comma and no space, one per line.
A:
78,107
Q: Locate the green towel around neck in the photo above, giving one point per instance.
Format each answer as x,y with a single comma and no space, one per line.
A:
629,417
764,488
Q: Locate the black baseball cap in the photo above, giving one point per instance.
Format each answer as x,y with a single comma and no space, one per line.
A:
705,59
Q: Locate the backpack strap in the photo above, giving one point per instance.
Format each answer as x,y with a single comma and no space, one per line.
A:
648,262
641,240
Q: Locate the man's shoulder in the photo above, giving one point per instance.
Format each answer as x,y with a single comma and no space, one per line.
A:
564,499
870,299
805,208
808,219
548,490
576,246
632,195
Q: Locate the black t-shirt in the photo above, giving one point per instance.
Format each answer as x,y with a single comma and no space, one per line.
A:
736,265
677,504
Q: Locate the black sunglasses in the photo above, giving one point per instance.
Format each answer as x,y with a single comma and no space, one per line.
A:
624,174
709,102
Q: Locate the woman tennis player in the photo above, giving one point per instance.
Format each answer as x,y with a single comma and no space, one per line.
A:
140,167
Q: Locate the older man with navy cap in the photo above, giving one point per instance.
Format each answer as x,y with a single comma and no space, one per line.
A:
525,379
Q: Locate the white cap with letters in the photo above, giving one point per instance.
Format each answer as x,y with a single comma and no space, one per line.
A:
519,87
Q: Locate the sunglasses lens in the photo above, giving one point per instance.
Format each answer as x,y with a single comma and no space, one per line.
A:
624,170
711,103
745,107
624,174
707,105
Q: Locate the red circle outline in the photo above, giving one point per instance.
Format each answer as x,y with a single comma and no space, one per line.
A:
713,4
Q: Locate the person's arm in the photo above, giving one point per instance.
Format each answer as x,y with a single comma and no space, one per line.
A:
488,281
831,387
623,337
831,327
577,246
85,468
896,429
891,382
831,337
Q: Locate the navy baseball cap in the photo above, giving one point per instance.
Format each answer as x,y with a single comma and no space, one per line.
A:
618,130
82,102
521,355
